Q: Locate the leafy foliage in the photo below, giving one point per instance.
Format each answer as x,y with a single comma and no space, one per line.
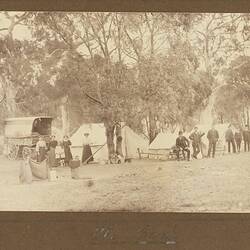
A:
109,67
233,98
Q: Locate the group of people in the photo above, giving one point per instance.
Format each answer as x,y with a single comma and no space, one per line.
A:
233,139
44,150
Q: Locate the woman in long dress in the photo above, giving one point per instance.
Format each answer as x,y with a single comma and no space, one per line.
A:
52,154
86,152
67,152
41,149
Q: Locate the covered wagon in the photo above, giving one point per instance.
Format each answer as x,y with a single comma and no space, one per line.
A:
21,134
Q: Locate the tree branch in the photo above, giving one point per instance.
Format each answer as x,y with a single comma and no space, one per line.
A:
88,95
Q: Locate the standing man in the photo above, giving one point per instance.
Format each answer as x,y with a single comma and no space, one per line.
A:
195,137
238,139
182,144
246,138
213,137
229,136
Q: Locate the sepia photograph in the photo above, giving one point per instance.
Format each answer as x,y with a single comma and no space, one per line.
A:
124,112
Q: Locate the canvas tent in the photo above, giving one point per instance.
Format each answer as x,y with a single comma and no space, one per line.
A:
97,136
163,141
162,144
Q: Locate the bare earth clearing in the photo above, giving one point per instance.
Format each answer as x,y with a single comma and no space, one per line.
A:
209,185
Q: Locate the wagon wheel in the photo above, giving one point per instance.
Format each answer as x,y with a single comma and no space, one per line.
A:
26,152
13,151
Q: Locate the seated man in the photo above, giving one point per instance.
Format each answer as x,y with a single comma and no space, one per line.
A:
182,144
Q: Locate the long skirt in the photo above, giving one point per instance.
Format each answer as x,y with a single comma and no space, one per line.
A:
52,158
41,154
87,154
68,155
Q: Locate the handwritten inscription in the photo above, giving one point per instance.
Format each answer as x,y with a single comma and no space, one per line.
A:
103,233
142,236
148,236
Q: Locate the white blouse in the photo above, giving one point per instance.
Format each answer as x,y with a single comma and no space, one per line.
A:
86,141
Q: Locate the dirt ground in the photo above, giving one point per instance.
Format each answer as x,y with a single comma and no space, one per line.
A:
208,185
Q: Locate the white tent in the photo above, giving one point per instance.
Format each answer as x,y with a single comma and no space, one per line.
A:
132,142
162,144
163,141
97,136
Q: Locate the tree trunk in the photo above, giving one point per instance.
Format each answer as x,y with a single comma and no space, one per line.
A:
110,129
244,116
11,106
152,127
119,140
65,116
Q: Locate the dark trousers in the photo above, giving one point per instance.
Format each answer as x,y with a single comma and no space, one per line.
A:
246,145
229,146
183,150
211,147
196,149
238,145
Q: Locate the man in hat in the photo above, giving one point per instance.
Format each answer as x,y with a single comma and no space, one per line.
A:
182,144
213,137
238,139
195,137
229,136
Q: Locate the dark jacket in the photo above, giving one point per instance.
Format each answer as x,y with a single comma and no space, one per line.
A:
182,142
238,136
196,137
229,136
213,135
246,135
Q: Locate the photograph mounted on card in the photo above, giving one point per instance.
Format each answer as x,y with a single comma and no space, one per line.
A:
124,111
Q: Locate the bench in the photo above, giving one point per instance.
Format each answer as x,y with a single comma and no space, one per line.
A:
147,155
169,156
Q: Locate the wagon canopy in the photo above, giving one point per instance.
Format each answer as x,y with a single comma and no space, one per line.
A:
26,126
